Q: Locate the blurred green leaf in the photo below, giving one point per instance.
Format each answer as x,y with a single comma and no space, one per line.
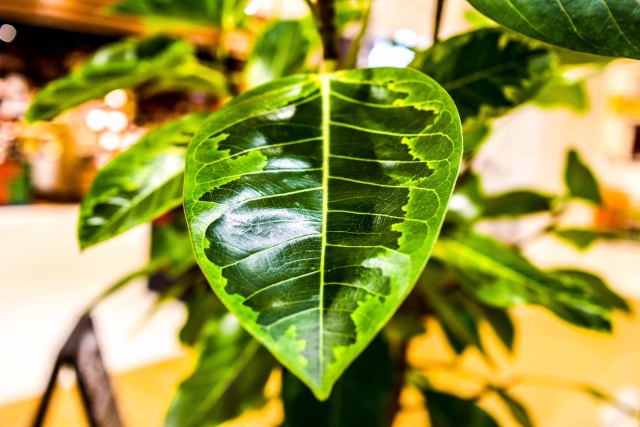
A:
458,323
580,239
597,285
580,181
517,409
229,378
487,71
280,50
447,410
171,244
359,398
120,65
515,203
501,323
140,184
560,93
226,14
499,276
202,305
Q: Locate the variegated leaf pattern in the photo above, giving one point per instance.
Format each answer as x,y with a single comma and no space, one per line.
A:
314,202
140,184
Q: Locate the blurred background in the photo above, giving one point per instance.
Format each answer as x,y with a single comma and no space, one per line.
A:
46,282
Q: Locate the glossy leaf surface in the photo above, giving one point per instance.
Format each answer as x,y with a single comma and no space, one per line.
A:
501,277
446,410
580,180
314,202
232,371
220,13
120,65
487,71
138,185
360,396
602,27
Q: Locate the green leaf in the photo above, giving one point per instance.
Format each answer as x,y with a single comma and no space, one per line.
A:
580,239
171,244
202,305
597,285
138,185
360,397
501,277
501,323
517,409
280,50
560,93
580,180
447,410
313,204
602,27
227,14
124,64
515,203
487,71
458,323
229,379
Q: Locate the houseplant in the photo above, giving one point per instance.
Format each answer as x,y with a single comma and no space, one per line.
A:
314,201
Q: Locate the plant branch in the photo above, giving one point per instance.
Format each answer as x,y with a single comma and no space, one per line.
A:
438,20
326,12
354,50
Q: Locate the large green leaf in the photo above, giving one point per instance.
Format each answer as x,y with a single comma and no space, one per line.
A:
138,185
280,50
225,14
124,64
603,27
580,180
487,71
232,371
447,410
314,202
501,277
360,397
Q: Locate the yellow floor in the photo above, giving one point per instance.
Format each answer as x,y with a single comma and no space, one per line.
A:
545,347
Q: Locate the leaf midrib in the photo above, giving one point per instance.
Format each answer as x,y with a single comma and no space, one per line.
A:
325,88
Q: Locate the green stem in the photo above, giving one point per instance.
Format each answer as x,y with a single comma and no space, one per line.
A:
326,12
354,50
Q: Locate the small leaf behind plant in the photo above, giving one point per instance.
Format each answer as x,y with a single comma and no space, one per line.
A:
447,410
124,64
138,185
516,408
229,378
499,276
581,182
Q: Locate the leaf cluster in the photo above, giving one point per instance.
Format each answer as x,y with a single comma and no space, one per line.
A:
333,213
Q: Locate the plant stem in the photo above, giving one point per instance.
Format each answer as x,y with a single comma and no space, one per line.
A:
354,50
326,12
437,20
